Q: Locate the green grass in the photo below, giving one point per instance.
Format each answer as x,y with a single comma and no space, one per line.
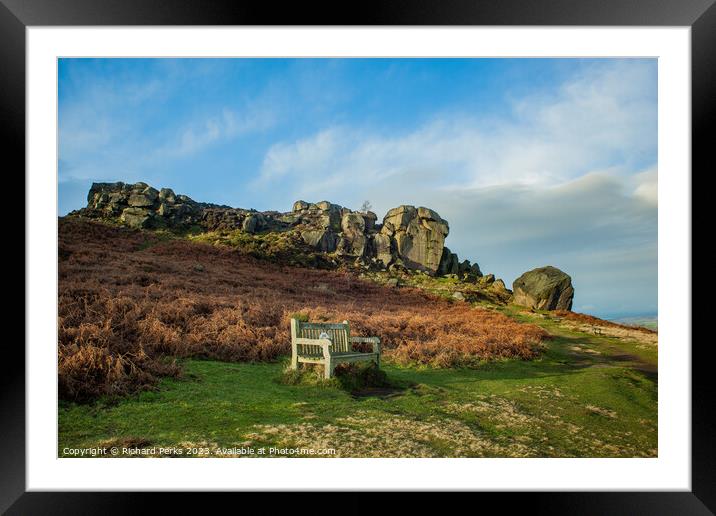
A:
583,398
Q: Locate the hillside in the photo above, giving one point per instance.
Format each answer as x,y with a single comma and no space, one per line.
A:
147,276
130,301
172,346
174,342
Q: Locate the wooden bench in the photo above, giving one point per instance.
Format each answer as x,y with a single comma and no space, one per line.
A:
308,347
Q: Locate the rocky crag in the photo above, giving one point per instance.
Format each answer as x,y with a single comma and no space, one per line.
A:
408,239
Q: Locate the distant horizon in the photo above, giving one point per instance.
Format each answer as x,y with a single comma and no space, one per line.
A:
533,162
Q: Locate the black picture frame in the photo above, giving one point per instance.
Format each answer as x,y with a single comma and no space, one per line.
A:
700,15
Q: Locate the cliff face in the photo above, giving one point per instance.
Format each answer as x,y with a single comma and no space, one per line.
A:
408,238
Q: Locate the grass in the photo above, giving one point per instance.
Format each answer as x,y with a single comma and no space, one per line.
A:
568,403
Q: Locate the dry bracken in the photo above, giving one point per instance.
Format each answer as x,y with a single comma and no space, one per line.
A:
130,302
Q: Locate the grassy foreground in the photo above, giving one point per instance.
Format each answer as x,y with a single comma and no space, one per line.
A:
587,396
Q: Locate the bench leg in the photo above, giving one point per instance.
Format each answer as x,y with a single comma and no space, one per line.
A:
294,362
328,372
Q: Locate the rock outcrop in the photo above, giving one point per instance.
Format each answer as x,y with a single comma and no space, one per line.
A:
139,205
545,288
409,238
419,236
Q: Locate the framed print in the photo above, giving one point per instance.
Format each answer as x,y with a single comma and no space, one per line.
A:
425,249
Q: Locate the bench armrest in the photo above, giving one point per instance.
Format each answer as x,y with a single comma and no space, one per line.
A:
373,340
323,343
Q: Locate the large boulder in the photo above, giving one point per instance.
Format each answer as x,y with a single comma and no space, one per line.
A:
545,288
321,239
419,236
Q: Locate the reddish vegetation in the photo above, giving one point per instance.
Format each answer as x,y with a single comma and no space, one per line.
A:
128,302
596,321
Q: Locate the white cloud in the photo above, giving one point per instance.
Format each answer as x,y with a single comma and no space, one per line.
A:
647,185
221,127
604,118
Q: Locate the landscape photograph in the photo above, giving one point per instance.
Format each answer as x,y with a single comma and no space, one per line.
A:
357,258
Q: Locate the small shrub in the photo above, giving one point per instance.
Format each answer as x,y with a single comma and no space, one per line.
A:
307,374
350,377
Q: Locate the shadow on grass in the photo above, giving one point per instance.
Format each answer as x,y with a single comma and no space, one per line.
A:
364,380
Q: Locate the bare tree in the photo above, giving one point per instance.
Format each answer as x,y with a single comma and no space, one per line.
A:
366,207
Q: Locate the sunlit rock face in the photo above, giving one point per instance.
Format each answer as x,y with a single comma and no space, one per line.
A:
419,235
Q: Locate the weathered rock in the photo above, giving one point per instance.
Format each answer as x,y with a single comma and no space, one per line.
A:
353,223
137,217
322,239
464,267
330,219
449,263
167,195
428,214
369,217
102,188
184,213
392,282
459,296
290,219
250,224
498,284
164,210
545,288
354,240
475,270
444,262
399,217
383,248
217,219
300,206
499,292
143,199
419,236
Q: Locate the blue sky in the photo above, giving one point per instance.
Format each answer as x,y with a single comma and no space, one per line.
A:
532,161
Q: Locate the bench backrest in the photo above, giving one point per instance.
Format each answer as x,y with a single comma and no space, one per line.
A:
339,333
